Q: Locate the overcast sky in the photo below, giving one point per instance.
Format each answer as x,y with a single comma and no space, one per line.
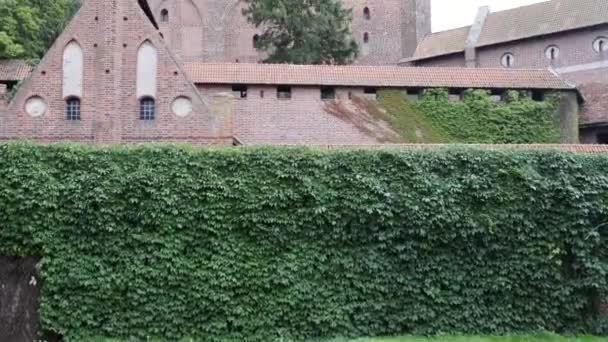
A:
448,14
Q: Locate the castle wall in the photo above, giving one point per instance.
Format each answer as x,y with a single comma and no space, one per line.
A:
262,118
394,28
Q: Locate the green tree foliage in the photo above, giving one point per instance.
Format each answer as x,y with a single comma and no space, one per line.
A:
476,118
259,245
303,31
29,27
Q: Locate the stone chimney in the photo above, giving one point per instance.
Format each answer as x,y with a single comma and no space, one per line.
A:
470,51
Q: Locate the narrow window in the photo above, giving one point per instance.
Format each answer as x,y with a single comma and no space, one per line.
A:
240,90
599,45
284,92
366,37
552,53
147,109
328,93
507,60
164,15
367,13
72,109
256,41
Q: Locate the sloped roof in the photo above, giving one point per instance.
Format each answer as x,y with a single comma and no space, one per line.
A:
541,19
372,76
519,23
145,6
443,43
13,70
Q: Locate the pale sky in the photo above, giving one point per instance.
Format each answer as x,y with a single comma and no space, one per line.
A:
448,14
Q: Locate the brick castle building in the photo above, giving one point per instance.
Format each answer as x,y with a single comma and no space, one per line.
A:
568,36
217,31
136,71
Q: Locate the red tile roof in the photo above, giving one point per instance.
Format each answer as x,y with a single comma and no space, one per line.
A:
579,148
373,76
14,69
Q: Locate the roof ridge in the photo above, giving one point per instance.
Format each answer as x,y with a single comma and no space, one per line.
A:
513,70
544,2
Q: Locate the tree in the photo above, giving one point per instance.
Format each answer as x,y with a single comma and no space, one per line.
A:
303,31
29,27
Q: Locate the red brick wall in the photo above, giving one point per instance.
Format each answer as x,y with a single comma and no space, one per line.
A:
301,120
395,27
110,33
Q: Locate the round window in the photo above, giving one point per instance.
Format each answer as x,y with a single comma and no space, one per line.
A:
35,106
552,52
600,44
182,106
507,60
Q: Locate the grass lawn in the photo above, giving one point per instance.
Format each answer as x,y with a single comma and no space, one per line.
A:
540,338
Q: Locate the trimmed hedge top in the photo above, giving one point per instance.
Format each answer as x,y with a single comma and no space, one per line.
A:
165,242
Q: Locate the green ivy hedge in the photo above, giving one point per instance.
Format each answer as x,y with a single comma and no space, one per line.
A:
474,119
166,242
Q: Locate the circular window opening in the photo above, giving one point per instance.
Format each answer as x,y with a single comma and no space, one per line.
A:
600,44
35,106
507,60
552,52
181,106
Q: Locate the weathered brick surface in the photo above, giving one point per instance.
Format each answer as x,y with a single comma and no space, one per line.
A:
303,119
110,33
215,30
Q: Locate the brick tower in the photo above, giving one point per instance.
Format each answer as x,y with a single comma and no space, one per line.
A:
216,31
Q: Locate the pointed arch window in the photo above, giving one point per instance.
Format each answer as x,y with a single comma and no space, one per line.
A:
366,37
164,16
256,41
147,70
73,70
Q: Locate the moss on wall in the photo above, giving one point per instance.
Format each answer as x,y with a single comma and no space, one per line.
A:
474,119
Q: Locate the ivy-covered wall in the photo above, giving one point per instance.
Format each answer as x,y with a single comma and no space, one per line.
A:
163,242
476,118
